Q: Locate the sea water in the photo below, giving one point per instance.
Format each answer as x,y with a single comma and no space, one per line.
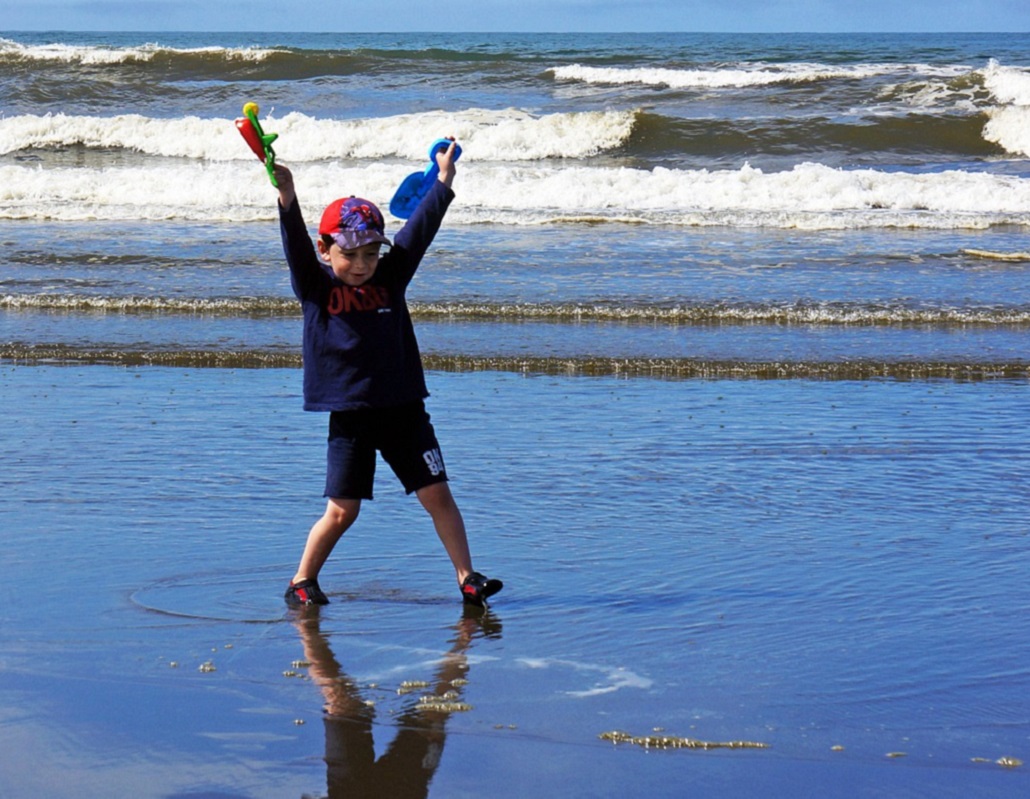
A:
726,339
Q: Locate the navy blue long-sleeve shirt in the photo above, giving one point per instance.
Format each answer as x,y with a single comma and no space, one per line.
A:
360,349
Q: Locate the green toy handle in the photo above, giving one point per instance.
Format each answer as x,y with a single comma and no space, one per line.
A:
259,141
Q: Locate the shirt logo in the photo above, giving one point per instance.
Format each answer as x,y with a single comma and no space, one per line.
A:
346,299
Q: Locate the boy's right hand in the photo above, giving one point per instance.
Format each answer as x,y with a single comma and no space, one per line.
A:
284,177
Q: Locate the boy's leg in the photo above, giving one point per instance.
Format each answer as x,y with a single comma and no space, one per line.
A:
413,453
438,500
338,517
450,526
350,472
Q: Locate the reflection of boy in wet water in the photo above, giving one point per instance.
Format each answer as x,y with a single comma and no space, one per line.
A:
405,770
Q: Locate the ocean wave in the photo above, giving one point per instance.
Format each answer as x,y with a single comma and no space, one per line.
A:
98,55
1009,85
282,61
806,196
849,314
153,305
507,135
514,135
1009,123
731,313
909,137
1009,127
922,95
809,196
653,368
743,76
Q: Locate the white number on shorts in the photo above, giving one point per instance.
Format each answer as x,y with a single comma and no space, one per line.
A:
434,460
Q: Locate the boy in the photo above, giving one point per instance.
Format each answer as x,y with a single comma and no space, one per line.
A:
362,365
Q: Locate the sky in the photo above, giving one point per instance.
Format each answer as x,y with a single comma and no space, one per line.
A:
518,15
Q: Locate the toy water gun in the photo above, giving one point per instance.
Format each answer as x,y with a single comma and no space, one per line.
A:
417,184
259,141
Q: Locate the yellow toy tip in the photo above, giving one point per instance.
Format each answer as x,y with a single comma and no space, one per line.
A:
251,108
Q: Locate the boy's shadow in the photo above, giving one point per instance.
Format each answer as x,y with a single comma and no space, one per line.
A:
406,768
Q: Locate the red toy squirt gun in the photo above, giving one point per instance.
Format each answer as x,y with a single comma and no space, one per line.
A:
259,141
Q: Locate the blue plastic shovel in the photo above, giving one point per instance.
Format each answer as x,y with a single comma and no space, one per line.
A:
417,184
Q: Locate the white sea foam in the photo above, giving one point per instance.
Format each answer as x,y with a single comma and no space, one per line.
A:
808,196
1009,124
604,679
726,78
1009,85
507,135
191,137
92,54
1010,127
936,95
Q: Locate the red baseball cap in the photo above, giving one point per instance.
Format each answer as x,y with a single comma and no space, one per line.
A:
353,222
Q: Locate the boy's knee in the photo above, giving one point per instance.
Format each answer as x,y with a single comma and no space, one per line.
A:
437,498
341,514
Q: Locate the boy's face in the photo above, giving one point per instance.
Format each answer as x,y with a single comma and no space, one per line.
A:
353,267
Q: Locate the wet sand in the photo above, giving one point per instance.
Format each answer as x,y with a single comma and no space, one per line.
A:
835,570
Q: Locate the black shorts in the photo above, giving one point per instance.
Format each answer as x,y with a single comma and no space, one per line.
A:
403,435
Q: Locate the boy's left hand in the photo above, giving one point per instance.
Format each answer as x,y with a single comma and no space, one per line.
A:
445,160
284,180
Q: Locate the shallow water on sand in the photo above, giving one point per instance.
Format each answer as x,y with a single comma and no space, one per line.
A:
801,564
